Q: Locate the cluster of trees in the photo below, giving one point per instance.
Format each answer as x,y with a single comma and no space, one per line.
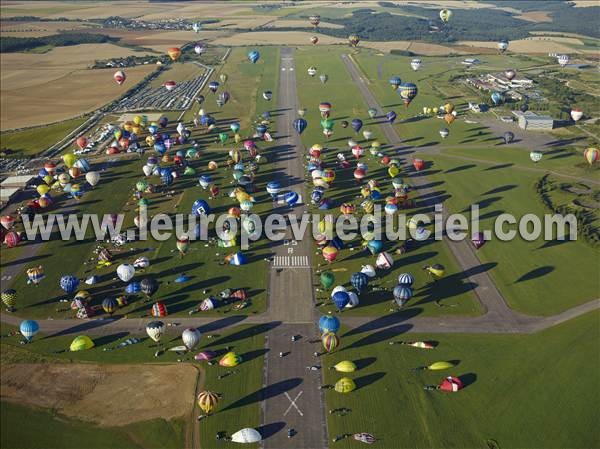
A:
563,98
585,219
17,44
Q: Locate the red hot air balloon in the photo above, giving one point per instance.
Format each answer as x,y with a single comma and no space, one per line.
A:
82,142
120,77
418,164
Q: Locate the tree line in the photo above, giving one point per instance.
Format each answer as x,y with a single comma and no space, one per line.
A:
19,44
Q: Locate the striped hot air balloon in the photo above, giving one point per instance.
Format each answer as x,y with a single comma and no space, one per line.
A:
159,309
207,401
591,155
330,341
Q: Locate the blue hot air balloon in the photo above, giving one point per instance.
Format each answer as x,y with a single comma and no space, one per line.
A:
395,82
29,328
341,299
407,91
391,116
300,125
133,288
69,283
497,98
359,281
316,196
402,294
266,115
356,124
406,279
238,258
166,177
328,323
273,188
160,147
200,207
375,246
291,198
253,56
213,86
261,129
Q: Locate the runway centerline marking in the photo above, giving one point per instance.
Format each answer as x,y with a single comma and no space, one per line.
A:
293,403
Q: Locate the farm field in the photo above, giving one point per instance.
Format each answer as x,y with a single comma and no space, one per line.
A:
495,370
32,141
137,421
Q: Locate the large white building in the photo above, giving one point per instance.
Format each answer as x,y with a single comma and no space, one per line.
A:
531,121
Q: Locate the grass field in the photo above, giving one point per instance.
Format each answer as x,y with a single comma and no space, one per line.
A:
31,141
204,263
239,387
453,295
532,391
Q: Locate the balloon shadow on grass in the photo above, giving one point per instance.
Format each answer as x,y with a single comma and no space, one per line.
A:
535,273
108,339
369,379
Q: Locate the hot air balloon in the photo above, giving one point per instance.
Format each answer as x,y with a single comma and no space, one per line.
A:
200,207
246,435
330,253
69,283
330,341
356,124
445,15
508,137
415,64
183,243
174,53
314,20
449,118
563,60
496,98
196,26
148,286
576,114
92,178
191,338
591,155
436,271
35,275
340,299
345,366
510,74
436,366
354,39
9,298
536,156
119,77
314,40
199,48
81,343
395,82
155,330
223,77
213,86
407,91
327,279
372,112
329,323
7,222
207,401
312,71
384,261
391,116
478,240
451,384
267,95
159,309
300,125
170,85
444,132
125,272
230,359
253,56
502,45
28,329
345,385
402,294
359,281
109,305
418,164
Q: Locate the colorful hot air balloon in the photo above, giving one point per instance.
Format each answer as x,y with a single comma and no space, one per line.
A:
183,243
174,53
330,253
300,125
407,91
591,155
314,20
451,384
159,309
395,82
563,60
170,85
330,341
207,401
354,39
314,40
9,298
109,305
69,283
576,114
120,77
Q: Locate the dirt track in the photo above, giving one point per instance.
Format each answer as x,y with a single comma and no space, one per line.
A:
110,395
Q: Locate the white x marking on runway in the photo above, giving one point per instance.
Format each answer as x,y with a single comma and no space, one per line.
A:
293,403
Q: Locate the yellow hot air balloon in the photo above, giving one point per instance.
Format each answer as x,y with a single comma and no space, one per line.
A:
81,343
174,53
393,171
345,366
437,270
435,110
138,119
69,159
326,225
42,189
448,107
445,15
440,365
149,140
345,385
207,401
237,138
